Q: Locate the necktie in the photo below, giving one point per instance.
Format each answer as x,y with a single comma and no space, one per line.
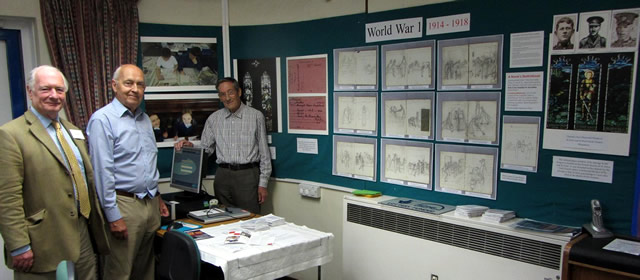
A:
76,173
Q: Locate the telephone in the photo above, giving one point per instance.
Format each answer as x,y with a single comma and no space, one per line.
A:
596,227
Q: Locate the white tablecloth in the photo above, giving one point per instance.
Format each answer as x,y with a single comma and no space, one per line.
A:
294,248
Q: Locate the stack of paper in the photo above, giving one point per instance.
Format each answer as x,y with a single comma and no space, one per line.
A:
497,215
263,223
469,211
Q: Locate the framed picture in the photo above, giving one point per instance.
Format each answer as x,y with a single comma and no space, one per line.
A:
259,79
470,63
355,113
468,117
466,170
408,66
355,68
407,114
520,143
406,163
172,64
173,119
355,157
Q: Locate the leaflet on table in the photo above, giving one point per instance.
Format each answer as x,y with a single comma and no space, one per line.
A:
197,234
538,226
263,223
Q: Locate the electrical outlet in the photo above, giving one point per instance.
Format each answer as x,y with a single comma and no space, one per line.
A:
434,277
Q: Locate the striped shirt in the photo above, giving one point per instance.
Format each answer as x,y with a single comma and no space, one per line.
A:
238,138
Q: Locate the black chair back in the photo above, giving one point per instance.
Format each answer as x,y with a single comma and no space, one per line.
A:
180,258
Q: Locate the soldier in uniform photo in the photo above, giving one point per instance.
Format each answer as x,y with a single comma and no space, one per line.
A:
593,40
625,30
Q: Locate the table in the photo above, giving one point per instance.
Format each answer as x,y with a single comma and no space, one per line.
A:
584,258
294,248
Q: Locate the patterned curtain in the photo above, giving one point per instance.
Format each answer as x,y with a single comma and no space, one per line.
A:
88,40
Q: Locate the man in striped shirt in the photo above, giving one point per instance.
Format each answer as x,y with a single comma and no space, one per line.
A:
238,134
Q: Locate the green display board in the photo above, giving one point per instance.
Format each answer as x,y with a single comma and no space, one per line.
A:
543,197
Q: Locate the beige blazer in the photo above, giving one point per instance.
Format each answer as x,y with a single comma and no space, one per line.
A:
37,202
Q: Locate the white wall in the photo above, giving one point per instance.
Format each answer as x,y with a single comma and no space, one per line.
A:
29,9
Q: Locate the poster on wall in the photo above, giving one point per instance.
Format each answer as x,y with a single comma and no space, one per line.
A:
308,114
307,74
173,64
259,79
590,102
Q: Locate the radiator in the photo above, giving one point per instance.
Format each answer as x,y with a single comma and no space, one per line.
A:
385,242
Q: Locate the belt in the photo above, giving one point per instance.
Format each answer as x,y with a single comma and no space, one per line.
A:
235,167
128,194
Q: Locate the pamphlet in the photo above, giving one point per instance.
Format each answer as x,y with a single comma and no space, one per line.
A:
197,234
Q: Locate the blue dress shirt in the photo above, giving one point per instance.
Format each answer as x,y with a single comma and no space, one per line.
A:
124,155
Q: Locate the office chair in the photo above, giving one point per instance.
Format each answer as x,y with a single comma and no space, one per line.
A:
180,257
65,271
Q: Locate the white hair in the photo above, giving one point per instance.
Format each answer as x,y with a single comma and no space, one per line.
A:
32,76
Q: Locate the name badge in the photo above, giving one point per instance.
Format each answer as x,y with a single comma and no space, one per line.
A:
76,134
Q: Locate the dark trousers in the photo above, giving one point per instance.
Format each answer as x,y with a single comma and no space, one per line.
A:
238,188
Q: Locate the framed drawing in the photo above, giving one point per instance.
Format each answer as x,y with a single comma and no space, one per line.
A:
179,116
172,64
259,79
468,117
406,163
355,113
407,114
466,170
355,157
520,143
473,63
355,68
307,74
408,66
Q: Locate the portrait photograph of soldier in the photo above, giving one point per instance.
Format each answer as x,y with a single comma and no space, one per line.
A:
625,28
564,28
594,29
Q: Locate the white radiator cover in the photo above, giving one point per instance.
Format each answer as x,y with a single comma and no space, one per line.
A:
385,242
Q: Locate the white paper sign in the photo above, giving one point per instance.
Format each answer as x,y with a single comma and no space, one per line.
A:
448,24
583,169
511,177
523,91
393,30
307,145
526,49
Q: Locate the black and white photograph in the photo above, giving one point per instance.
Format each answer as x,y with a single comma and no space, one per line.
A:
564,30
624,28
594,30
172,64
259,79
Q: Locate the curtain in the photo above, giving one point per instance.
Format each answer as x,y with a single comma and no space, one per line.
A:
88,40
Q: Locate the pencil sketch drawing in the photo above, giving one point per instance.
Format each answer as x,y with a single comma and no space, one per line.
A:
358,113
482,120
454,119
452,167
455,65
395,114
347,68
520,144
479,173
483,67
395,68
367,67
418,66
419,117
408,163
355,158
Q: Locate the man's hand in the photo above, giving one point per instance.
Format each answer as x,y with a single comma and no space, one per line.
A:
164,211
23,262
119,229
182,143
262,194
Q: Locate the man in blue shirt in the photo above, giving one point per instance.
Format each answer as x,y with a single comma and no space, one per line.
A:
124,155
